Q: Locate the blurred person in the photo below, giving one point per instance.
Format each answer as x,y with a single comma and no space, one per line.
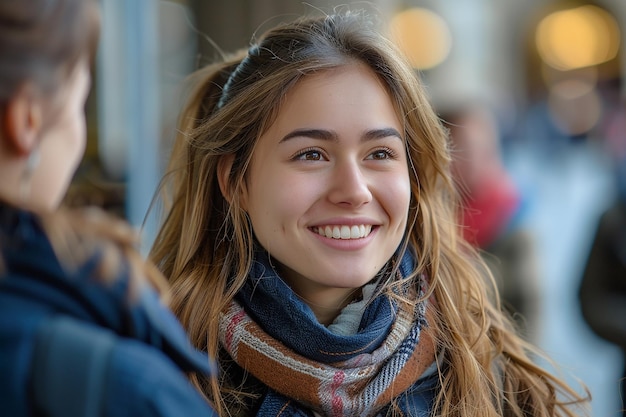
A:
311,240
602,291
492,209
82,329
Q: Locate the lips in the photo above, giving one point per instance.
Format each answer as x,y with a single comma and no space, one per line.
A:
344,232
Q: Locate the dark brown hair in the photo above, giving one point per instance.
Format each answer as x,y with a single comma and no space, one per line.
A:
41,41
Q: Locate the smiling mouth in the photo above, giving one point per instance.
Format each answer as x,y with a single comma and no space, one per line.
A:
344,232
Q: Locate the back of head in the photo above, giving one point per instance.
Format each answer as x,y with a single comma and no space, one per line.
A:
41,44
42,40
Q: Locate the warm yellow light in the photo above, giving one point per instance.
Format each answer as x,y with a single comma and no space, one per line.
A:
577,38
422,35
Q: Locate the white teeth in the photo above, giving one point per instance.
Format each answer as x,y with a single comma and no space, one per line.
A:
345,232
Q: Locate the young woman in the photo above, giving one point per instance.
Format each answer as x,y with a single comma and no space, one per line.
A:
82,333
312,245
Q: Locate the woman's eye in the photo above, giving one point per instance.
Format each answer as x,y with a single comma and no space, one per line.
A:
381,154
309,155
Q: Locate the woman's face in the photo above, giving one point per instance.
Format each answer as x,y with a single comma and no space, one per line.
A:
62,141
328,189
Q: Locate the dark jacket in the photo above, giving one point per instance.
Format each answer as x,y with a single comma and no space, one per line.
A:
603,288
144,374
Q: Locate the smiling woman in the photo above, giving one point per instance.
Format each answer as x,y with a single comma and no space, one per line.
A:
312,244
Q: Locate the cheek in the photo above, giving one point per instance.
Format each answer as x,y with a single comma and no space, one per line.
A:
276,199
70,137
69,148
396,198
80,137
264,198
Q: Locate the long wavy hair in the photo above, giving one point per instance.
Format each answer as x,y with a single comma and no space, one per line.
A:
205,243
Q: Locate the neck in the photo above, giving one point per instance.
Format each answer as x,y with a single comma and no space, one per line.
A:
327,303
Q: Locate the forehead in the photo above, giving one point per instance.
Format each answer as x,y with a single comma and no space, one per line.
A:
349,93
350,74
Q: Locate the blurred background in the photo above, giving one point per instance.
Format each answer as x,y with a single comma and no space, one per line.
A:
532,92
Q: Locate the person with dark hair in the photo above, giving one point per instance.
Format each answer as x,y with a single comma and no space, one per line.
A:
602,291
83,328
313,246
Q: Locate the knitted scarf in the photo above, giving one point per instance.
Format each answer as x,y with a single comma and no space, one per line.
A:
273,335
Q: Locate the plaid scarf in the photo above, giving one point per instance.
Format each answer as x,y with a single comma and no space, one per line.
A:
273,335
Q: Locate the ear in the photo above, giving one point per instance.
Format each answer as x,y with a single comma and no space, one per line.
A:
23,120
224,167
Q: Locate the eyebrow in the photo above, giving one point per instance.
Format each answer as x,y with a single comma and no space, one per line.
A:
332,136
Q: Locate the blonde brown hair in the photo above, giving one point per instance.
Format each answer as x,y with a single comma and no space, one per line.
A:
83,234
205,243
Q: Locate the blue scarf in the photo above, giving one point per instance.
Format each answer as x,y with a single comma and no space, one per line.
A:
272,334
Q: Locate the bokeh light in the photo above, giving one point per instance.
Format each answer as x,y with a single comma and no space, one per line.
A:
578,38
423,35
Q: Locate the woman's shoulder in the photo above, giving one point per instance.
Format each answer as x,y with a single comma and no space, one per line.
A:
54,262
142,380
78,276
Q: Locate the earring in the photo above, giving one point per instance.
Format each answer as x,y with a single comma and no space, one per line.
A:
31,164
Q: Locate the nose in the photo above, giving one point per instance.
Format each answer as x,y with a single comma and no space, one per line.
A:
349,185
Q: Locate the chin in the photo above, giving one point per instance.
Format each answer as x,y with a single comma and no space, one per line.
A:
356,282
